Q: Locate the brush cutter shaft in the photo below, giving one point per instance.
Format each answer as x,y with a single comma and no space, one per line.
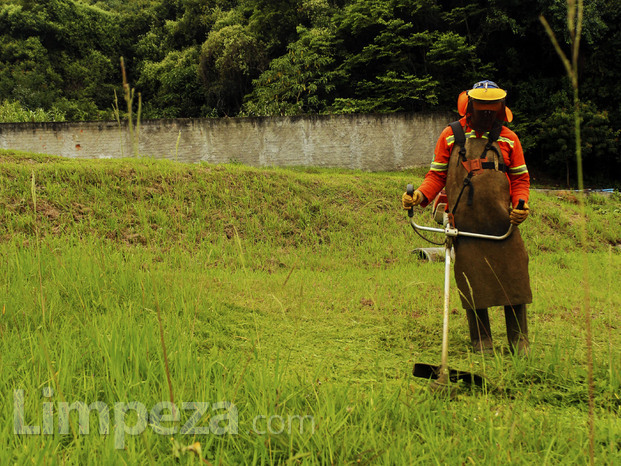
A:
445,323
442,375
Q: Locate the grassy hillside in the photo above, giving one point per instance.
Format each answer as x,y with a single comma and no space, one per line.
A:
285,293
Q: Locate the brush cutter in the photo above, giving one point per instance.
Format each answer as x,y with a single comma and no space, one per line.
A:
443,376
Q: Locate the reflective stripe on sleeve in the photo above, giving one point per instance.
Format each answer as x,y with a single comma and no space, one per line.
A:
519,170
507,140
439,167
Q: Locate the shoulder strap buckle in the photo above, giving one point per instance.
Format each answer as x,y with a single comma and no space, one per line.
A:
473,165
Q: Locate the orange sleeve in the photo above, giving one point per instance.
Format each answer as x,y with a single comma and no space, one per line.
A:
519,179
435,179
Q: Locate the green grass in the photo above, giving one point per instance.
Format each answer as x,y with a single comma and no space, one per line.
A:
288,293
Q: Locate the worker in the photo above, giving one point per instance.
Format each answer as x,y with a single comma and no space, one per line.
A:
484,177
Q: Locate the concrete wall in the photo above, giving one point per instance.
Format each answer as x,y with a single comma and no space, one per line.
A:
368,142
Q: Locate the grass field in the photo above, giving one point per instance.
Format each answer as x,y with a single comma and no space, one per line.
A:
283,308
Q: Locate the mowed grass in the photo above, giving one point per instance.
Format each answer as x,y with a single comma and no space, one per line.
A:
292,310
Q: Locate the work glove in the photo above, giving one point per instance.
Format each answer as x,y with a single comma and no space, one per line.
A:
410,201
517,216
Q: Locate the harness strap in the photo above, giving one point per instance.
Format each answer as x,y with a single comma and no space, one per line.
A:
474,166
460,138
492,137
494,133
467,183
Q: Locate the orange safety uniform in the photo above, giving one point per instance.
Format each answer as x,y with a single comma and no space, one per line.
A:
510,147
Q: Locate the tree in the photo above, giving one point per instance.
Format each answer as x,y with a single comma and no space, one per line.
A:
273,22
229,59
57,54
556,142
455,65
299,81
172,85
384,49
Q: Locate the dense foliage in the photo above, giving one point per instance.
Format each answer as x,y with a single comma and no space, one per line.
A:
213,58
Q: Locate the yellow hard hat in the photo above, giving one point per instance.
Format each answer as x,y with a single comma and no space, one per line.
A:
486,90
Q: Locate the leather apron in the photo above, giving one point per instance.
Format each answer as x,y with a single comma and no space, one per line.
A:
488,272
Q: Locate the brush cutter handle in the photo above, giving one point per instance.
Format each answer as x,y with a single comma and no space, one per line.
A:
410,191
453,232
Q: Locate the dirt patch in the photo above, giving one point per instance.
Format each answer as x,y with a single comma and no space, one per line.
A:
367,302
133,238
80,211
47,210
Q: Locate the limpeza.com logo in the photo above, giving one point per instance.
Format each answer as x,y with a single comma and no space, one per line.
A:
133,418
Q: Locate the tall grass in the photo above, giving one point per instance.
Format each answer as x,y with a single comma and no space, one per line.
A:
287,293
33,191
133,128
575,13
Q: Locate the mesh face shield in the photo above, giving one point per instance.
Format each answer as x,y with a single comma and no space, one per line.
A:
483,114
